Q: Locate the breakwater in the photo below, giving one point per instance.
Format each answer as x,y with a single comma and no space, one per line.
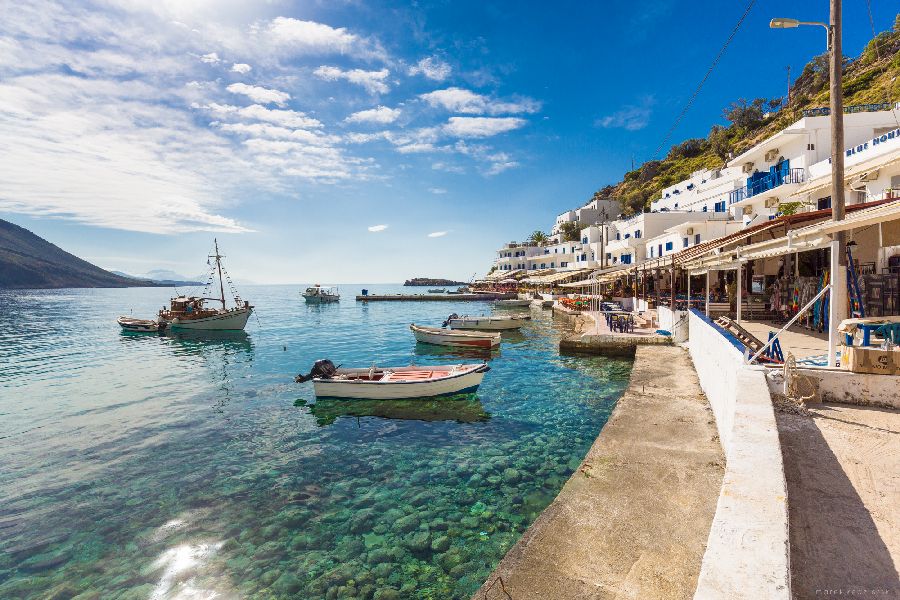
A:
435,297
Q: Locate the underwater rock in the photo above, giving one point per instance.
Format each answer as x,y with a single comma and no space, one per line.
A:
406,524
379,555
440,544
469,522
383,570
287,583
387,594
511,475
361,521
418,543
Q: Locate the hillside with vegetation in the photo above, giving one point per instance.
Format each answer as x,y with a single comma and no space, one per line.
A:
28,261
871,78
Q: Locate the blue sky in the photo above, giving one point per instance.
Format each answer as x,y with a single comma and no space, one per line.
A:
356,141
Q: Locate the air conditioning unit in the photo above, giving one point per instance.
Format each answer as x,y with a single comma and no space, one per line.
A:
747,168
748,210
690,231
772,202
772,155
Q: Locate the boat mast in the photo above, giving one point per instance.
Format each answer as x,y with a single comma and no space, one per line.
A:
219,266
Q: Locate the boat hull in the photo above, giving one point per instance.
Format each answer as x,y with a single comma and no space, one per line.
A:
463,383
141,325
487,323
444,337
230,320
311,299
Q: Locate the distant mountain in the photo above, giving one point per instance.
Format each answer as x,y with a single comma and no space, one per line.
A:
164,277
29,261
423,281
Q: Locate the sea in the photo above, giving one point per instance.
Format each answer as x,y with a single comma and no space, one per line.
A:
146,466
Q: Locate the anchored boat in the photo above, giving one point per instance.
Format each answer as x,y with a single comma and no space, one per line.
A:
513,303
141,325
484,323
437,291
445,337
191,312
320,295
394,383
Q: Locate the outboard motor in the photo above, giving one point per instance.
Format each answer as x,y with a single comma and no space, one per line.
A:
450,318
322,368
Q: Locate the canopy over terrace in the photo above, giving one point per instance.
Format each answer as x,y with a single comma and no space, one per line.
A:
553,277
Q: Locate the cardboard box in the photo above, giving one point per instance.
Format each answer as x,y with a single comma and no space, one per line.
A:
862,359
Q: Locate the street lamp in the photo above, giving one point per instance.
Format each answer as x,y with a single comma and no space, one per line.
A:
837,307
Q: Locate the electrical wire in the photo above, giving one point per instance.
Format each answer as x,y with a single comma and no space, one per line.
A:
703,81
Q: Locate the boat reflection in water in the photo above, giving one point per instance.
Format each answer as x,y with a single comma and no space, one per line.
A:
198,342
461,409
422,349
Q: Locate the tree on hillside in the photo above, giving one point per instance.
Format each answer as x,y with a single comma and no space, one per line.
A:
571,231
719,142
538,237
750,115
688,148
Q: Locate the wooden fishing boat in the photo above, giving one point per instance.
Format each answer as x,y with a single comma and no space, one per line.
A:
437,291
321,295
484,323
141,325
394,383
191,312
513,303
449,337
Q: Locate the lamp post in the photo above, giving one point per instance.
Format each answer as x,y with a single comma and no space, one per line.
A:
837,307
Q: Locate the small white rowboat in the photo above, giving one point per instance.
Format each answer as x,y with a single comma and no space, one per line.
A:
483,323
512,303
141,325
394,383
446,337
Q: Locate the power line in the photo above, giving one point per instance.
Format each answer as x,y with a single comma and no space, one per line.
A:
705,77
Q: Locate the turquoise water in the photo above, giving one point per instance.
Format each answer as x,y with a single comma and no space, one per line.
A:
140,466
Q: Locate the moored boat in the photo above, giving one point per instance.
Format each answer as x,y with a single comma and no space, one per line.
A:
394,383
321,295
191,312
449,337
437,291
485,323
513,303
141,325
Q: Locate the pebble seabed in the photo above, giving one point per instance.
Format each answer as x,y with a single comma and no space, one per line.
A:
368,507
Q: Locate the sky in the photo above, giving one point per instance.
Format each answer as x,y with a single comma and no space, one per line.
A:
354,141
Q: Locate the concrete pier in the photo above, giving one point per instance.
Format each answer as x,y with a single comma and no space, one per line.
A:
633,520
435,297
596,338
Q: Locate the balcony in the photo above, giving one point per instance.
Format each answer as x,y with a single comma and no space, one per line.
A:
763,182
824,111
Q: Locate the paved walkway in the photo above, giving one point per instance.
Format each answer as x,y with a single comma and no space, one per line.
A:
842,465
633,521
799,341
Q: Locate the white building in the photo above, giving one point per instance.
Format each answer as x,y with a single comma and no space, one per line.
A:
705,191
626,238
514,256
690,233
776,168
592,213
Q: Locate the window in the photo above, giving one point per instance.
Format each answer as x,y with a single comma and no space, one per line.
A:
546,250
627,235
720,206
651,251
618,236
684,243
823,203
637,233
668,245
608,256
552,265
543,265
659,250
626,259
563,264
704,208
697,238
584,240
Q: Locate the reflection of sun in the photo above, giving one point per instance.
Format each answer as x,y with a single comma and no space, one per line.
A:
180,564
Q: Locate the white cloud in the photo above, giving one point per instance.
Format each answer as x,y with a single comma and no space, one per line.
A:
447,168
498,167
380,114
372,81
285,118
242,68
308,37
479,127
260,94
464,101
432,68
416,147
631,117
436,190
437,234
377,228
210,59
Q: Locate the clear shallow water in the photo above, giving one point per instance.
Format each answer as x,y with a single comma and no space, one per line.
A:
135,466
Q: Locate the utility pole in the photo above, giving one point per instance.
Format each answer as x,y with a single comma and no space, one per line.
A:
789,85
838,306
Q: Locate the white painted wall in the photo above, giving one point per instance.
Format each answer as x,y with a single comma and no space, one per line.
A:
748,553
677,322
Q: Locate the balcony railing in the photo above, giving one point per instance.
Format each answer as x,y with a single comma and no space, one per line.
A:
824,111
767,182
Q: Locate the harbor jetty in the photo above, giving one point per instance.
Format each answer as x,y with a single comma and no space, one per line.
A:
476,297
633,520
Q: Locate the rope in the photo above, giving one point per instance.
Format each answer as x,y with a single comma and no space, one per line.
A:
703,81
793,381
